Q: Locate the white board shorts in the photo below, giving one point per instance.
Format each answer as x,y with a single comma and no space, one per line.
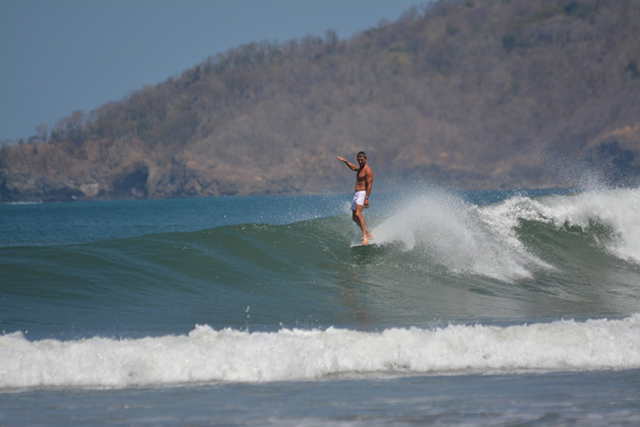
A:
358,199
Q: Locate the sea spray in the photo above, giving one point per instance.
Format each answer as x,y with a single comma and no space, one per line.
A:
613,216
456,234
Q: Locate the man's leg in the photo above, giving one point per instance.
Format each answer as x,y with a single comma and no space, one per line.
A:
358,218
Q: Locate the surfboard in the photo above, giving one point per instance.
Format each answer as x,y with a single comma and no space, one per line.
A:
359,244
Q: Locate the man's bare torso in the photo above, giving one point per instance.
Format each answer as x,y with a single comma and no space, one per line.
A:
361,178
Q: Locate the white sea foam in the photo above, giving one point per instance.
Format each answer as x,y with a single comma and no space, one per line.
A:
460,236
483,240
208,355
618,210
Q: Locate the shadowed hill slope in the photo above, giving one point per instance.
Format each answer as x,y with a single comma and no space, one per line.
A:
471,94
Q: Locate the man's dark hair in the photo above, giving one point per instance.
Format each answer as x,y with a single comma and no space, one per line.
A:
363,154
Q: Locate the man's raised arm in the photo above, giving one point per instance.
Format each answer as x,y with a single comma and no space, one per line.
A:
351,165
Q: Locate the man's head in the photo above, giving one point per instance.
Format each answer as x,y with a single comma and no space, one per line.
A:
362,158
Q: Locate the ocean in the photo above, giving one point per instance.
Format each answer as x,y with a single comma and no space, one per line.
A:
469,308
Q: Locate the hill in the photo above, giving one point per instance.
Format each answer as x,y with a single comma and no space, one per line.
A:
469,94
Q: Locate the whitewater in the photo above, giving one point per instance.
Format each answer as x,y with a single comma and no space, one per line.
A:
207,355
518,295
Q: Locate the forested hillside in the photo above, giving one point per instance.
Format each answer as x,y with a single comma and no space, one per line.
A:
464,93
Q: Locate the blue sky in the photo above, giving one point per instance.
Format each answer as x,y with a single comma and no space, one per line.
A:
60,56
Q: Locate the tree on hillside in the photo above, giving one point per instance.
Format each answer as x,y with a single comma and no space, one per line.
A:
478,93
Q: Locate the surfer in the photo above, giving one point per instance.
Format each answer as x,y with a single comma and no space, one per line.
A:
364,181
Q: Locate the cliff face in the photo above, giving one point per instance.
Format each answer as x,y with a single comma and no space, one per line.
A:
471,94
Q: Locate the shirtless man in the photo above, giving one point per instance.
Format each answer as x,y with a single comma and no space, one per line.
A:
364,181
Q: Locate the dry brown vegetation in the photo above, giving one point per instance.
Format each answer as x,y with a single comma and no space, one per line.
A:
471,94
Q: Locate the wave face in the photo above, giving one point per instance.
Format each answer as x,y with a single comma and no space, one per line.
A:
451,284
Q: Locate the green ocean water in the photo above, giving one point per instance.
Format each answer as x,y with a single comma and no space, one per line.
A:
126,300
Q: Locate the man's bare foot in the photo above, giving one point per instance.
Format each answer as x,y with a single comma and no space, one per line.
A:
369,235
365,240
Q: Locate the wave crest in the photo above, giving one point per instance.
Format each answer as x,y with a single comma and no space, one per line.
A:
208,355
490,240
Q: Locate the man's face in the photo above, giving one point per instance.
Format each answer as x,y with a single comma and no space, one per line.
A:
362,160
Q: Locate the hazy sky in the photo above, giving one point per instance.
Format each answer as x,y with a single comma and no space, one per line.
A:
60,56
